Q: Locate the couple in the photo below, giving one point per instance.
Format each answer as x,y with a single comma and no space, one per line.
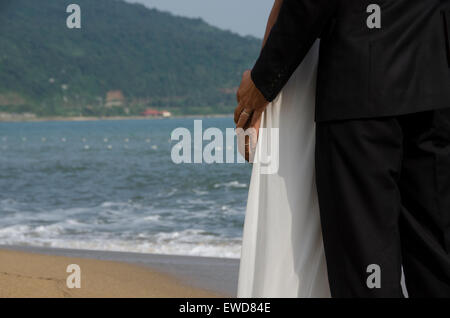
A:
365,114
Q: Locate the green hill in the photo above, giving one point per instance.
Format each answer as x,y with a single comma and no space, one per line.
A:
154,58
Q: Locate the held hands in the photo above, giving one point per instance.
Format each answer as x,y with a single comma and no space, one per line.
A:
247,116
251,103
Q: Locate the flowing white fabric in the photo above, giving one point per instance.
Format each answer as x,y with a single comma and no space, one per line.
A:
282,252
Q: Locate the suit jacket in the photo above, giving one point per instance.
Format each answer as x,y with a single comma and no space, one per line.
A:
402,67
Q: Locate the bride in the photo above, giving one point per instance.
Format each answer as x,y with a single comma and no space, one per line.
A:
282,252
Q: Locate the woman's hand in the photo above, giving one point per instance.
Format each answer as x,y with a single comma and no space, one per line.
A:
247,139
251,103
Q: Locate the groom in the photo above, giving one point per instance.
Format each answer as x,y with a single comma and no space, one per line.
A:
383,135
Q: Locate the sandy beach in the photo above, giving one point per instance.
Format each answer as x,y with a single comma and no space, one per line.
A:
30,272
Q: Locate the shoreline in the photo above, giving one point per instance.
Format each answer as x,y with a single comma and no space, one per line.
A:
111,118
132,274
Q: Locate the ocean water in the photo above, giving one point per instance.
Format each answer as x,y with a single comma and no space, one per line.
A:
111,185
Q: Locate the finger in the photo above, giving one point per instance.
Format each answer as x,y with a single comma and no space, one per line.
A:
247,149
237,112
252,138
243,119
242,122
254,126
256,117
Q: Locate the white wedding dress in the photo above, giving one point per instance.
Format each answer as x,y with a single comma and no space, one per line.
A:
282,252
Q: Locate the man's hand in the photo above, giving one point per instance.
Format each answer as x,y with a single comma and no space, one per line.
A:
251,103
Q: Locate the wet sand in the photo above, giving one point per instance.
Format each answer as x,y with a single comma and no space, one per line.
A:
42,272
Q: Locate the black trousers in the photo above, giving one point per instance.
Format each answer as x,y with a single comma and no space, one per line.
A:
384,194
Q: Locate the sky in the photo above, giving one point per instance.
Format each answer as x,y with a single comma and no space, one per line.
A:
246,17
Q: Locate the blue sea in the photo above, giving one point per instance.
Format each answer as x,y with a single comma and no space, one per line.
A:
112,185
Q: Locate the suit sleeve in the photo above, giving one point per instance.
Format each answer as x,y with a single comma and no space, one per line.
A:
299,25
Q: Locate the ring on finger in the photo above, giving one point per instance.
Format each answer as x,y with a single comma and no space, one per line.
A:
244,112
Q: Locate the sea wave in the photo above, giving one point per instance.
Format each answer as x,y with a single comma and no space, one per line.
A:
116,226
189,242
231,184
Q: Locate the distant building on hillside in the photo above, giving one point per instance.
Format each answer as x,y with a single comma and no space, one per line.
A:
150,112
114,99
166,114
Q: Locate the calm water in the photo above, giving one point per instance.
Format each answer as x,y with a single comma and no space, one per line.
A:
111,185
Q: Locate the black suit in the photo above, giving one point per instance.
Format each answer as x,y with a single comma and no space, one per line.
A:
401,68
383,136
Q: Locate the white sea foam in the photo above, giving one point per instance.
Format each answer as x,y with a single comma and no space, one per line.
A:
231,184
176,243
112,226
